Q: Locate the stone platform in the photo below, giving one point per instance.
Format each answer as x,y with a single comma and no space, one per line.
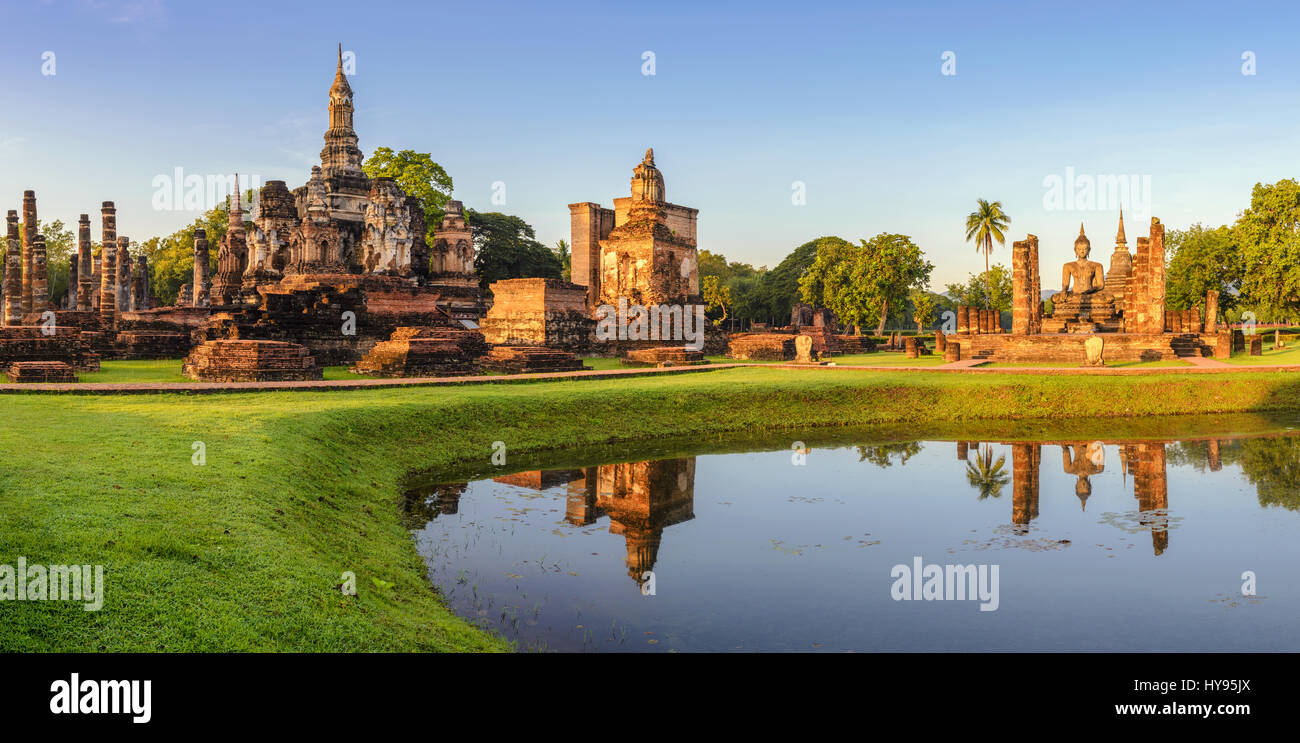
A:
40,343
530,359
1068,348
145,344
340,317
761,347
40,371
425,352
856,343
539,312
251,361
672,356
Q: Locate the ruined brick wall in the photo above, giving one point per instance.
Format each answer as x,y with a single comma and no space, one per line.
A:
1068,348
589,224
1144,307
539,312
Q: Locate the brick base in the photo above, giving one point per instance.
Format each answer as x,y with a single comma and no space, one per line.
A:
251,361
41,371
1067,348
529,359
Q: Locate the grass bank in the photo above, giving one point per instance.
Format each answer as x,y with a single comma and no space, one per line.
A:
245,551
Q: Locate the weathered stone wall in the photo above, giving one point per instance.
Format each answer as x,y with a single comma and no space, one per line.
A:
1068,348
539,312
589,224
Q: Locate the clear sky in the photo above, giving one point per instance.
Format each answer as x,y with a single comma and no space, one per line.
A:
747,98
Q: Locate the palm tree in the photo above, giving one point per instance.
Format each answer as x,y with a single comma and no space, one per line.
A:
986,475
984,225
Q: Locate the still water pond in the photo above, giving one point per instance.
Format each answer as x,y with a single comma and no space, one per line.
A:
1074,546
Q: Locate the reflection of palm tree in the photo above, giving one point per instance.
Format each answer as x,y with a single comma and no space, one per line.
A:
986,475
883,455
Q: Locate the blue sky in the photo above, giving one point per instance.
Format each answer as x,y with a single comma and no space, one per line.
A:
746,99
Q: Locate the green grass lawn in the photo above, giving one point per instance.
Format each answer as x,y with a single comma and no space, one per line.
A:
1272,356
1109,364
245,552
168,371
879,358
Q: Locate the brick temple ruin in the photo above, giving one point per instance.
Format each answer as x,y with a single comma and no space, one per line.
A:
640,255
1123,305
337,266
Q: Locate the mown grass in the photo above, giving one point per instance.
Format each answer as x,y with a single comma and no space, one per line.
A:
878,358
1162,364
245,552
1272,356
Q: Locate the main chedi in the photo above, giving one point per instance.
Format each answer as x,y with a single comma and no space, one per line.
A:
341,262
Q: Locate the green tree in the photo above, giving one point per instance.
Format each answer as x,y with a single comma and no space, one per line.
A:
60,244
890,266
984,225
883,455
828,282
987,476
924,308
171,257
506,248
867,281
1203,259
779,288
419,176
717,295
566,258
1266,234
990,290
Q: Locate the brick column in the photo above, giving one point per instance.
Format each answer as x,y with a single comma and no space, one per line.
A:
108,266
13,296
40,282
123,275
1156,278
1026,294
143,298
85,268
202,298
74,267
29,238
1211,311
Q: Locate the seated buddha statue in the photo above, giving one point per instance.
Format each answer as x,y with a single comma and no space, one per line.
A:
1083,304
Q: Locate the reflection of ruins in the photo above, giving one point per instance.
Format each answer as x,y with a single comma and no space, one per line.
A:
1145,460
1151,488
641,499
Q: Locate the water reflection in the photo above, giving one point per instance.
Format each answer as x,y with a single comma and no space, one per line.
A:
538,526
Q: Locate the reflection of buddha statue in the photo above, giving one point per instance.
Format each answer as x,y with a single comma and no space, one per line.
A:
1083,462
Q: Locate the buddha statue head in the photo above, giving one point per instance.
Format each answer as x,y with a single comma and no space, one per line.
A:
1082,245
